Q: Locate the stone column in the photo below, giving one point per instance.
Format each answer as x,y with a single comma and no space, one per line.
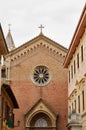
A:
74,122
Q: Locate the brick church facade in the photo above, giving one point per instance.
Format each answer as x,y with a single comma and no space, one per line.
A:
39,80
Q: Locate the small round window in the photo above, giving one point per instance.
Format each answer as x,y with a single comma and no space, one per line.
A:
41,75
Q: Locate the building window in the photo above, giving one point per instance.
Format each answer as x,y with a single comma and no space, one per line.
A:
69,109
3,73
71,71
79,104
78,60
41,123
40,120
75,104
82,53
83,100
72,106
74,67
8,115
69,76
7,71
7,109
41,75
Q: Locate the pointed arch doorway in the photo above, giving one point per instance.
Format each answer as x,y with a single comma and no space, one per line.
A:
41,121
41,117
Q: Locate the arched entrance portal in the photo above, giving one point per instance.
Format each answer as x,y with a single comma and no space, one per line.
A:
40,121
40,117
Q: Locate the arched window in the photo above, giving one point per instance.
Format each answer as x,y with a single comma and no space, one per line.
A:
40,120
41,123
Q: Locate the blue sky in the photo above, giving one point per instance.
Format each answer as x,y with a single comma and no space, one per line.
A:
59,17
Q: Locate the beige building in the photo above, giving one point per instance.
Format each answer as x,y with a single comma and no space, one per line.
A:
8,101
76,63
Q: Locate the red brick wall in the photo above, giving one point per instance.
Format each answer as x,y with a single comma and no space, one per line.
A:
27,93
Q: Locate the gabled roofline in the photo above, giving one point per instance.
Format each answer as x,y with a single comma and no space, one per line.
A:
76,37
4,38
45,103
34,40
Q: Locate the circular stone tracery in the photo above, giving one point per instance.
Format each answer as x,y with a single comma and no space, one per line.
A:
41,75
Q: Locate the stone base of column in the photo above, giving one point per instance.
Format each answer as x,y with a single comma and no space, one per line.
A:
74,122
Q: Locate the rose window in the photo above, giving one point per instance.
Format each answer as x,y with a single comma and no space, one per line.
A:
41,75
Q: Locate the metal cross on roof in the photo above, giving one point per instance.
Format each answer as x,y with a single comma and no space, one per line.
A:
41,27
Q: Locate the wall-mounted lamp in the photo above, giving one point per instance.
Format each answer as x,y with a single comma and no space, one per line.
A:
18,124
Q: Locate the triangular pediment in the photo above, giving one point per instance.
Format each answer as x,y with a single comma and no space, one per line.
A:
40,43
43,106
38,40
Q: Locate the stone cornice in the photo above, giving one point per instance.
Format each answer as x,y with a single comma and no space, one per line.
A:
36,39
73,94
83,114
33,48
79,86
24,55
80,29
80,83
